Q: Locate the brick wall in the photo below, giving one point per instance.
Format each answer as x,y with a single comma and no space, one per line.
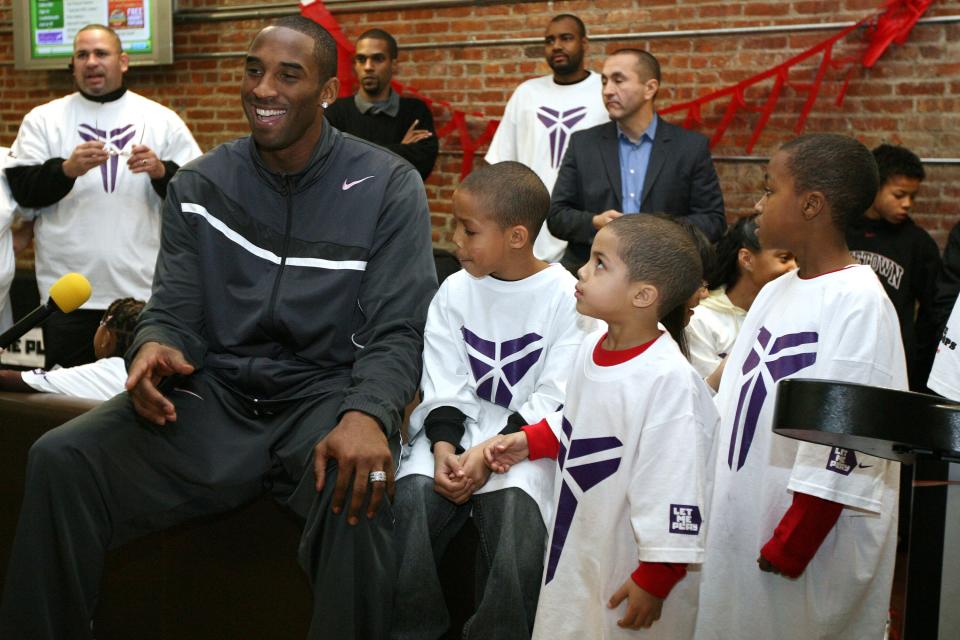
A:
911,97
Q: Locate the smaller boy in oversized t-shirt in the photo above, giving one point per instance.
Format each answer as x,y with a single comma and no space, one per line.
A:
631,447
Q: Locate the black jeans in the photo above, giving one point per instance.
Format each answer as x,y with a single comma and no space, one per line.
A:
108,476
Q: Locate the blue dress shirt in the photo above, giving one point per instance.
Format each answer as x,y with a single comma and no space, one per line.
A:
634,159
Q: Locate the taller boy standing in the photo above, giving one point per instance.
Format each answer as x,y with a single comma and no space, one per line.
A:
781,508
904,256
499,344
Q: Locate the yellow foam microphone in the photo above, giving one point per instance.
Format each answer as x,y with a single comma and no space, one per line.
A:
67,294
70,292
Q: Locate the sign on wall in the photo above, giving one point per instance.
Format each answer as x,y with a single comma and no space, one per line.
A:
44,29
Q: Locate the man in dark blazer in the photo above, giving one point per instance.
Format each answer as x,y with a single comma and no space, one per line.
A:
638,163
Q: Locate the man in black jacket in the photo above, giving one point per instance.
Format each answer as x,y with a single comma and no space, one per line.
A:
378,114
638,163
281,343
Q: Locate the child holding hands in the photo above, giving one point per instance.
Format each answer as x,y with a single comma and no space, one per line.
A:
631,448
499,343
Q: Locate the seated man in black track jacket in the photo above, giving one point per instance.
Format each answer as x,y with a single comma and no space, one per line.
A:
378,114
280,346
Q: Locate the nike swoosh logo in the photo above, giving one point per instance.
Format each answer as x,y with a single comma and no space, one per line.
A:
864,466
347,185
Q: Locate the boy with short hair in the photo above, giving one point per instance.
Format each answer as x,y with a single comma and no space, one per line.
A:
903,255
631,446
802,537
499,343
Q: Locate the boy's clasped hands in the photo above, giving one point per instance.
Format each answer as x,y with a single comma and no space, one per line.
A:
457,477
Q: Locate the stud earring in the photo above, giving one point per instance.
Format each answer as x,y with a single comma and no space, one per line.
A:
324,104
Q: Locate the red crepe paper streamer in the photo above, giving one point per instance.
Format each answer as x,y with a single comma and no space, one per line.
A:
892,26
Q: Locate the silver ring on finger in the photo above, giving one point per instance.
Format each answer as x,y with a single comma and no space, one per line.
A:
378,476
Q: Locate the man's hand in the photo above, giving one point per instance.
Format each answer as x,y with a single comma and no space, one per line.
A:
449,480
359,446
603,219
502,452
144,160
85,156
414,135
643,609
153,363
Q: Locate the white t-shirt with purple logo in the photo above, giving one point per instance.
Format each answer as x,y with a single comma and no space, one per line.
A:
631,486
108,226
8,209
945,374
838,326
535,130
492,348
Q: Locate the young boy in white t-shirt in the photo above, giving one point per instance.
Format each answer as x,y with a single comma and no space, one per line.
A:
631,446
802,537
499,344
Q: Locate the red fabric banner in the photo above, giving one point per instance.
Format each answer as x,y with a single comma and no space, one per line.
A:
891,26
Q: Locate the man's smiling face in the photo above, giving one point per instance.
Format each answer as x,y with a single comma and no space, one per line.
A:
282,91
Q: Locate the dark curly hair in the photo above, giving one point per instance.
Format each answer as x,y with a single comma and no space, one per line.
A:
726,267
121,319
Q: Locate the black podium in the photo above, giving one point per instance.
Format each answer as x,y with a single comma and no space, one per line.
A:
912,428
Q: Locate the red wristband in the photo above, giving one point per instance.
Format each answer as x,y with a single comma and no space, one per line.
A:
800,533
540,441
658,578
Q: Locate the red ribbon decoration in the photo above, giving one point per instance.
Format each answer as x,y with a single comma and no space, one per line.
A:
891,27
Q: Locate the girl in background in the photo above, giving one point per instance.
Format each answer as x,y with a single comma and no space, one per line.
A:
741,269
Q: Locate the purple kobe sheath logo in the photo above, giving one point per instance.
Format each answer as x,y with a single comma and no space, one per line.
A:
559,124
842,461
685,519
497,373
769,361
596,460
114,143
